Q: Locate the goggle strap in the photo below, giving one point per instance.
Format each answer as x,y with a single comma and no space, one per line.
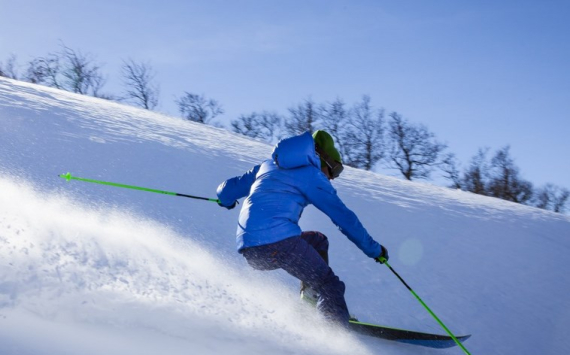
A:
323,155
327,159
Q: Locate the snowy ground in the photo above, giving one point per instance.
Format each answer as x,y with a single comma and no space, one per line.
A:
93,269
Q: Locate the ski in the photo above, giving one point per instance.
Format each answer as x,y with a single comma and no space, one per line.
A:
405,336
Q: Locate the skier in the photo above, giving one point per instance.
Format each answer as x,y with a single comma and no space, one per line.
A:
268,233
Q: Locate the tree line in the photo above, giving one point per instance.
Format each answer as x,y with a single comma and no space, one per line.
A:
367,136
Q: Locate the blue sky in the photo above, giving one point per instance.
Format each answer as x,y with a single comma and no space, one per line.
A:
478,74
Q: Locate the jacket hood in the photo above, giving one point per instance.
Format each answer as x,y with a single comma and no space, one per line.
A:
296,152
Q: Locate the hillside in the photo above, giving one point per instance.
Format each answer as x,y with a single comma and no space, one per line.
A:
96,269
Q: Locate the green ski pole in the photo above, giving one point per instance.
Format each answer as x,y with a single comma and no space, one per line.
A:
69,177
384,261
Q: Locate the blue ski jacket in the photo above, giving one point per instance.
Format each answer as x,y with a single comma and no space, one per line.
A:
280,188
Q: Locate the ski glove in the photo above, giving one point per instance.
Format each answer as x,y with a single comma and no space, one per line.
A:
383,257
230,206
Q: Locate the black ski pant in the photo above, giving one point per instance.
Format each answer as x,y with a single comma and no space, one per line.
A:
305,257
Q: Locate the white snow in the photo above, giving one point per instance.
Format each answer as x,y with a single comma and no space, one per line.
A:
93,269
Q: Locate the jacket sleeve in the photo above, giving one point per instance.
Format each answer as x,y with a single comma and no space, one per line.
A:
237,187
324,197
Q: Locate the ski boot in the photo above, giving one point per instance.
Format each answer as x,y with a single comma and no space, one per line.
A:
309,295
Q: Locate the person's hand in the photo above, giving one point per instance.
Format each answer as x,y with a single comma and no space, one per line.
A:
383,257
230,206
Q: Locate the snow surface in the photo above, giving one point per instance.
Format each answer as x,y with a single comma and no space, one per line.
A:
93,269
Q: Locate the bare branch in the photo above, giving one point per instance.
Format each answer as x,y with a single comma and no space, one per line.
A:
138,81
302,118
197,108
413,149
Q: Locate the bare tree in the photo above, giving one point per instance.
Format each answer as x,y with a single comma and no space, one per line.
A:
68,70
450,167
559,200
80,73
413,150
505,181
475,178
364,135
302,118
263,125
247,125
9,70
271,123
197,108
552,197
334,118
45,71
138,81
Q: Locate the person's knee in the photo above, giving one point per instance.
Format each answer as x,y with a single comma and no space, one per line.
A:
322,239
318,240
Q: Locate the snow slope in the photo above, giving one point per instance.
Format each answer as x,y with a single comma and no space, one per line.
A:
93,269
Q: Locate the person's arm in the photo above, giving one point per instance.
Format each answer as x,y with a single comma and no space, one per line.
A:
235,188
324,197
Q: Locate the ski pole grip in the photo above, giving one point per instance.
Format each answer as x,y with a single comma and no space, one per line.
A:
67,176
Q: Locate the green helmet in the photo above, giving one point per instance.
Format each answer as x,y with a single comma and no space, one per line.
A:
330,157
326,143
